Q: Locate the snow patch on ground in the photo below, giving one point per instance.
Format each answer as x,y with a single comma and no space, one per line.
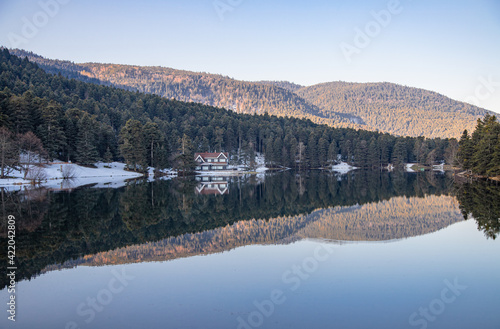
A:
105,175
343,168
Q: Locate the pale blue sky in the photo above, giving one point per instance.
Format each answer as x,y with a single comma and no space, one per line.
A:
451,47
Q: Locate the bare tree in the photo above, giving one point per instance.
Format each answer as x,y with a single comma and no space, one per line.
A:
37,174
31,150
301,154
68,171
9,157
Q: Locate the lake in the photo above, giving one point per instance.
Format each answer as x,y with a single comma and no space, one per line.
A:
282,250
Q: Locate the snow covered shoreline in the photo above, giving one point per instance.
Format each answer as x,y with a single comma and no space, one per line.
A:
104,175
114,175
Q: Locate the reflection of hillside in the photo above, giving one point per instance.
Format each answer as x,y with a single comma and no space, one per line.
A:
59,227
397,218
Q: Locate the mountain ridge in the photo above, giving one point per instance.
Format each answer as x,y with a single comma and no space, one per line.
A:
382,106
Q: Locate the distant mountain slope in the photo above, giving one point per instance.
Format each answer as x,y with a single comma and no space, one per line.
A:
293,87
386,107
396,109
209,89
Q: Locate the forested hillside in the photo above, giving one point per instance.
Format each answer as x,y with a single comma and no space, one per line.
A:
393,108
208,89
386,107
283,84
84,122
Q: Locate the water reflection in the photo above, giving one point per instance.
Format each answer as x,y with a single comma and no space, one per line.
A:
481,201
397,218
212,185
87,225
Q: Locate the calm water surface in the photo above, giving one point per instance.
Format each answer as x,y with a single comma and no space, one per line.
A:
364,250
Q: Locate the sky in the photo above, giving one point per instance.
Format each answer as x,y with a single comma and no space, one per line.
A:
450,46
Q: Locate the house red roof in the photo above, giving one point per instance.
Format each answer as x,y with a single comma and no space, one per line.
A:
212,158
211,155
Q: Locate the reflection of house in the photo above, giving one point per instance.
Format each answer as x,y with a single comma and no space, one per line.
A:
212,185
211,161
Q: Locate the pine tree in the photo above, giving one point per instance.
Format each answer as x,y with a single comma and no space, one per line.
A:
312,151
374,154
20,114
494,166
277,151
108,156
333,152
323,147
361,155
346,150
9,155
51,130
132,146
484,140
399,154
86,152
465,151
152,137
184,161
269,153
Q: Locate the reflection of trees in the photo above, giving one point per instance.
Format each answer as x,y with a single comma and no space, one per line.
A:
399,217
28,206
57,227
481,201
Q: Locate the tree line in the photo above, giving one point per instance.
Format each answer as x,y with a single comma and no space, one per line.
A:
479,153
84,122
